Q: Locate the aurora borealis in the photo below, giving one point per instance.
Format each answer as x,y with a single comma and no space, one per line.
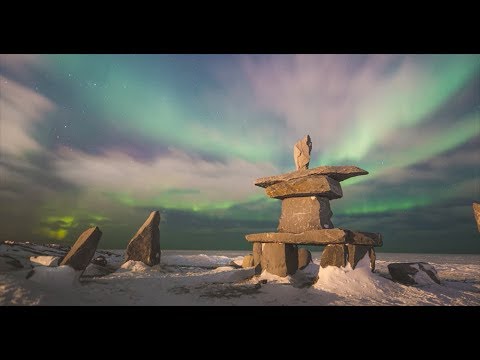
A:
104,139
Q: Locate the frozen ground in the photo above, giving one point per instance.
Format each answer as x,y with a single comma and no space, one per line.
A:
208,278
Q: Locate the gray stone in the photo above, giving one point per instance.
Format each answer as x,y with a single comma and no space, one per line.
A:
315,185
83,250
338,173
373,257
356,253
145,244
300,214
311,237
280,259
334,255
416,273
257,257
304,258
100,261
476,214
301,153
364,238
247,261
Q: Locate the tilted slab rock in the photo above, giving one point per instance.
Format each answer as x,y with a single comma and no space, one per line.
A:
318,237
83,250
145,245
280,259
257,257
338,173
357,252
476,214
300,214
319,185
247,261
312,237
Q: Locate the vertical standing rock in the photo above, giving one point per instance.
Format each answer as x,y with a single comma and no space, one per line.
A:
301,153
257,257
476,214
83,250
280,259
145,245
356,253
334,255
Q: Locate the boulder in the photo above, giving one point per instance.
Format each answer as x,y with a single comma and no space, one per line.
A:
83,250
476,214
100,261
280,259
338,173
416,273
145,244
334,255
304,258
301,153
301,214
315,185
247,261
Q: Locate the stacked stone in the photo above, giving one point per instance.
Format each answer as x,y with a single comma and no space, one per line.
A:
306,219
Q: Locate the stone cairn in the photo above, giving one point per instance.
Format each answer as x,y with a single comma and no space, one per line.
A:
306,218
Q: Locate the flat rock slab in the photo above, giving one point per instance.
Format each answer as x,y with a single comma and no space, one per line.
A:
364,238
83,250
320,185
419,273
300,214
476,214
338,173
316,237
145,244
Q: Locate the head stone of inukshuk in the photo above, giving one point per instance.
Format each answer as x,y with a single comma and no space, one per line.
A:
301,153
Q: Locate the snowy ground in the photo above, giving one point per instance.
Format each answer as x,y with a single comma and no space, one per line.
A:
208,278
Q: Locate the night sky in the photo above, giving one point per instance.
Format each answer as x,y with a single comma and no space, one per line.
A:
104,139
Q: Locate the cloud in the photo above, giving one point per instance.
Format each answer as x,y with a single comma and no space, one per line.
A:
20,109
20,64
175,172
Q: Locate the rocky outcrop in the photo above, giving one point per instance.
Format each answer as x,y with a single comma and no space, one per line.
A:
145,244
83,250
304,258
419,273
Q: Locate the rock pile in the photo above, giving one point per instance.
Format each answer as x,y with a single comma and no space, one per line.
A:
306,218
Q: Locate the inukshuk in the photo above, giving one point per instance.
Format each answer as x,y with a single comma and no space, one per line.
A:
306,218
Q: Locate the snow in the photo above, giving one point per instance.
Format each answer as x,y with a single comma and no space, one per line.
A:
44,260
55,276
205,278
